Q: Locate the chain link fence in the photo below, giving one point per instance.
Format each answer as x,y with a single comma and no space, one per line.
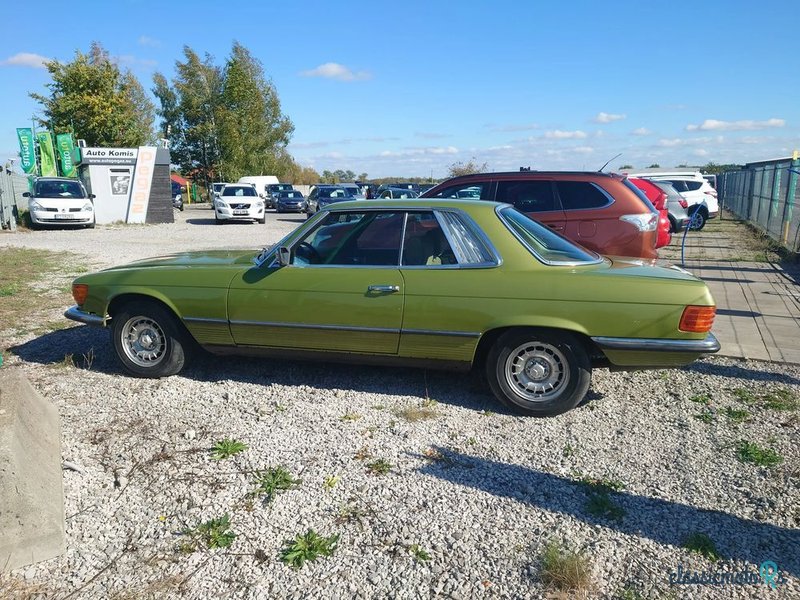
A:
12,202
766,194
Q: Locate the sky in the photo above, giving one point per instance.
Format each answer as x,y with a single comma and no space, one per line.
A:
408,89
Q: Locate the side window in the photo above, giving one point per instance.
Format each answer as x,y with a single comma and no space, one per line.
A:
468,244
466,190
679,185
425,242
576,195
693,186
348,239
527,196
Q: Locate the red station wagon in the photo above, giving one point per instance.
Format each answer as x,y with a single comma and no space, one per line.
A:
601,211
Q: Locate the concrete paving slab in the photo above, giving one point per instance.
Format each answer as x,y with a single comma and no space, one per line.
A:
31,489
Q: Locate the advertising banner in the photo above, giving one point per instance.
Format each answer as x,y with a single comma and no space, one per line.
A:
65,147
47,154
27,150
142,182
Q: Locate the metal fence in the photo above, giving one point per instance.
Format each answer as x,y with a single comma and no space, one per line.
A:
12,202
766,193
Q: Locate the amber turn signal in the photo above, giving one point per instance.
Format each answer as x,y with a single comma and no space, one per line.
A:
79,293
697,319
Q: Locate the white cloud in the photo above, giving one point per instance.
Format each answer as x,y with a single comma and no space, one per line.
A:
641,131
583,149
25,59
671,143
557,134
431,151
336,71
700,152
149,42
604,117
129,60
745,125
512,128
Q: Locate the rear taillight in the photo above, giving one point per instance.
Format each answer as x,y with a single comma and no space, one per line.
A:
684,204
79,293
661,201
712,193
643,221
697,319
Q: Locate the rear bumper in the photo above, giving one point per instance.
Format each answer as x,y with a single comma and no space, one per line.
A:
74,313
706,346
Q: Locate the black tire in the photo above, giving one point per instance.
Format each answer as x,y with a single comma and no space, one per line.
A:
263,219
556,365
698,219
91,225
217,220
148,340
673,225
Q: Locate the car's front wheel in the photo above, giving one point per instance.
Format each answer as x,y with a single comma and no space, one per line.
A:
538,372
148,340
698,220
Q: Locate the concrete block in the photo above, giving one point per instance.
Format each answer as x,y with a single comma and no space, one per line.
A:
31,489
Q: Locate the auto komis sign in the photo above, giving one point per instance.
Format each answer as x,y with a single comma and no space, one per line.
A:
109,156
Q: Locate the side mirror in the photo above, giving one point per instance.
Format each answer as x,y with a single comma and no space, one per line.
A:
26,195
284,256
92,196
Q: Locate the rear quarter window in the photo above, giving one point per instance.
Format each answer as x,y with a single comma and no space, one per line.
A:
470,190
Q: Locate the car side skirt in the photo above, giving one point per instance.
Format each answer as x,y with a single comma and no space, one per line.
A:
339,357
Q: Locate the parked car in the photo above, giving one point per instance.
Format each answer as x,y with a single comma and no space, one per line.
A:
398,193
289,201
698,193
239,202
667,224
601,211
676,205
177,202
354,190
216,189
399,185
273,189
322,195
60,201
430,283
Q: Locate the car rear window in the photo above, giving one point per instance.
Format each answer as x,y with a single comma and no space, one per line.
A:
542,242
693,186
576,195
528,196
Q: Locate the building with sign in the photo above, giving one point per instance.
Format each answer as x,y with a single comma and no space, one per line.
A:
131,185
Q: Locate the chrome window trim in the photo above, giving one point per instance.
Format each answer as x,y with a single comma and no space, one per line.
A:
573,263
476,231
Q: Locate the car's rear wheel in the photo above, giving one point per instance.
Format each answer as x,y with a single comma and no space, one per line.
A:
538,372
148,340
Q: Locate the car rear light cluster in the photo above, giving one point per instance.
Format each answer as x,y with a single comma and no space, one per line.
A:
712,193
684,204
697,319
79,293
642,221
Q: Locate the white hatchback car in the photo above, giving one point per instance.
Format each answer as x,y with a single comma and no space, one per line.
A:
695,189
60,201
239,202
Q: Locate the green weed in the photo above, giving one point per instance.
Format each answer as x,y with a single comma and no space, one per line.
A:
736,415
701,399
226,448
419,554
308,547
703,545
274,480
749,452
380,466
215,533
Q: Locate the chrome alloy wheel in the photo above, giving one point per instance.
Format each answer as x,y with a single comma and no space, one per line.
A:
143,341
536,371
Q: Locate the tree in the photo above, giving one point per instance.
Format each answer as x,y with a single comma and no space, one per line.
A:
91,97
626,167
466,168
654,166
363,177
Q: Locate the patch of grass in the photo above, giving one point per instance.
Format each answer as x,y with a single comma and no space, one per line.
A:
226,448
781,399
750,452
380,466
350,417
307,547
564,570
703,545
701,399
9,290
215,533
412,414
736,415
599,502
629,593
419,553
744,395
706,416
330,482
273,480
603,484
471,441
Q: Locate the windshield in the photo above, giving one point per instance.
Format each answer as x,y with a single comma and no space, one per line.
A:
245,190
218,187
290,195
58,189
543,243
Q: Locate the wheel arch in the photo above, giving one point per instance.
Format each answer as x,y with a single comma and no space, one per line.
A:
124,298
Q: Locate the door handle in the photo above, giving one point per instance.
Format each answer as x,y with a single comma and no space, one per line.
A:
556,227
384,289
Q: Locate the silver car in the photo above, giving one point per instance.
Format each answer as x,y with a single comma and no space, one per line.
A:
676,206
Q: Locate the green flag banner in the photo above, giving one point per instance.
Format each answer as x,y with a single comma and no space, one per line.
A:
27,150
47,154
65,147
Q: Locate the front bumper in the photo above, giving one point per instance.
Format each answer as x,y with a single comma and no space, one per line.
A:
74,313
227,214
706,346
48,217
290,207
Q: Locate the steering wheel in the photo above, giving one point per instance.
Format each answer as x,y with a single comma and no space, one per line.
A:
308,252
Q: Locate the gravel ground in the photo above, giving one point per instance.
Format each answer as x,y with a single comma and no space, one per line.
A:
479,490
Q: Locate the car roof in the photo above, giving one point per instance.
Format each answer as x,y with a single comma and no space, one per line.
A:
419,204
57,179
526,174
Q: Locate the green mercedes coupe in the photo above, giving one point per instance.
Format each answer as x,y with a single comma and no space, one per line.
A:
430,283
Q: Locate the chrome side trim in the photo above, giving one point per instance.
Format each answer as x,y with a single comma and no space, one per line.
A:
315,326
76,314
467,334
205,320
709,344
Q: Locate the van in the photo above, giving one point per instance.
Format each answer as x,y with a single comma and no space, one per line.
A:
260,182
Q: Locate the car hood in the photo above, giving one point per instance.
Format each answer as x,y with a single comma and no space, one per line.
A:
203,258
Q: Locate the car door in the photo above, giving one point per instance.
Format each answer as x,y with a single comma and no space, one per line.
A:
534,197
342,290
